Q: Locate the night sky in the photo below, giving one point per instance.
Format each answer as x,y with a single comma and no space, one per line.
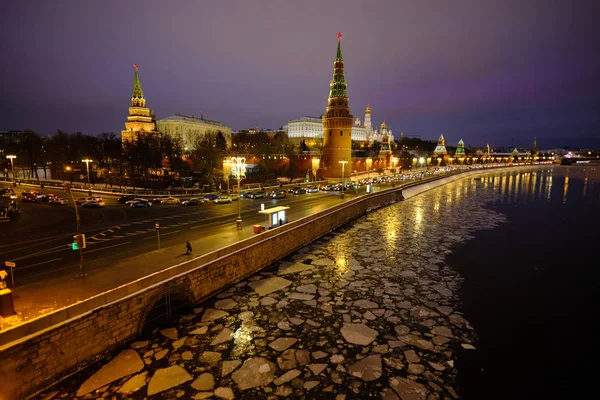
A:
487,71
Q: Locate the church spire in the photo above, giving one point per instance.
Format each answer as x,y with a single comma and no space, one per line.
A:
337,87
137,98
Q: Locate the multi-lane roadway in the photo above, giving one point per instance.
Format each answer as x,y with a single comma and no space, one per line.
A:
39,241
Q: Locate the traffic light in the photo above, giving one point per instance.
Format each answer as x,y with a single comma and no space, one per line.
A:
78,242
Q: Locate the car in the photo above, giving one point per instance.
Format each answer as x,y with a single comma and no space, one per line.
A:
192,202
29,198
126,198
311,189
57,200
299,190
279,194
81,200
8,192
46,197
138,204
94,204
211,196
258,195
223,199
246,195
135,200
291,190
234,196
170,200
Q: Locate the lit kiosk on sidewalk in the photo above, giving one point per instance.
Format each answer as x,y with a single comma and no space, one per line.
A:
276,216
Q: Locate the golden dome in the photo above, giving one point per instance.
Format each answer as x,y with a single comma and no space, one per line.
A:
383,125
368,110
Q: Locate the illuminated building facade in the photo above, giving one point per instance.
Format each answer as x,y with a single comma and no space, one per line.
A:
440,149
188,129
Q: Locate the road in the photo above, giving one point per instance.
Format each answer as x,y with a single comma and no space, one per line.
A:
39,241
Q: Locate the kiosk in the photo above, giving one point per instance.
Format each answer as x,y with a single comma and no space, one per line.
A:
275,216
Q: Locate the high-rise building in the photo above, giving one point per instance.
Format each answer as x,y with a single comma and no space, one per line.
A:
337,122
141,121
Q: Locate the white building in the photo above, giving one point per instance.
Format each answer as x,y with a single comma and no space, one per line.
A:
189,128
312,128
307,127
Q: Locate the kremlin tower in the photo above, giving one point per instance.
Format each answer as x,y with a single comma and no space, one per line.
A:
460,149
440,149
337,122
140,119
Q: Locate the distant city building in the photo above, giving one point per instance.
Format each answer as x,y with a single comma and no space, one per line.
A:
305,128
190,128
310,129
141,121
440,149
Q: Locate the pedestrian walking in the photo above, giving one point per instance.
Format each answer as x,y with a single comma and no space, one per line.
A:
188,248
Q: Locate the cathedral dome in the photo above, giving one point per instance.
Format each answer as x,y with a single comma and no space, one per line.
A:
383,125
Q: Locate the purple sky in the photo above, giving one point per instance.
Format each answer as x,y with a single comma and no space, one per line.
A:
487,71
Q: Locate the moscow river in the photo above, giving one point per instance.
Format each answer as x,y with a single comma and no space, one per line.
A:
484,288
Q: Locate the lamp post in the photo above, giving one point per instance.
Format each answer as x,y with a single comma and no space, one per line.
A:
87,162
11,157
394,161
343,162
227,170
239,171
369,164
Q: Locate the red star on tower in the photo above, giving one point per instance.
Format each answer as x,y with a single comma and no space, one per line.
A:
339,35
135,66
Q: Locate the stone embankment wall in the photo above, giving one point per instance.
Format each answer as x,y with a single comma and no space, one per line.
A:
34,362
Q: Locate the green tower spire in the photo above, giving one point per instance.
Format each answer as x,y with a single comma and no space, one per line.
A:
338,87
137,98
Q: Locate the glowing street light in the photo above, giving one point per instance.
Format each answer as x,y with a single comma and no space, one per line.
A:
369,164
421,161
239,171
11,157
227,170
343,161
87,162
394,161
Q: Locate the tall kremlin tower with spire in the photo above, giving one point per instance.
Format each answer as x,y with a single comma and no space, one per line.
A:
337,122
140,119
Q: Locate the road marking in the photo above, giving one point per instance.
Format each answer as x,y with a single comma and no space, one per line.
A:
107,247
164,234
118,237
196,226
40,263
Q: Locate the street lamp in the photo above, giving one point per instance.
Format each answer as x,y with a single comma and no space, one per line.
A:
421,161
369,164
239,171
227,170
87,162
11,157
343,161
394,161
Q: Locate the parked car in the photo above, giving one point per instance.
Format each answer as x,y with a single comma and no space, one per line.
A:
258,195
137,204
192,202
126,198
93,204
223,199
212,196
59,201
234,196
